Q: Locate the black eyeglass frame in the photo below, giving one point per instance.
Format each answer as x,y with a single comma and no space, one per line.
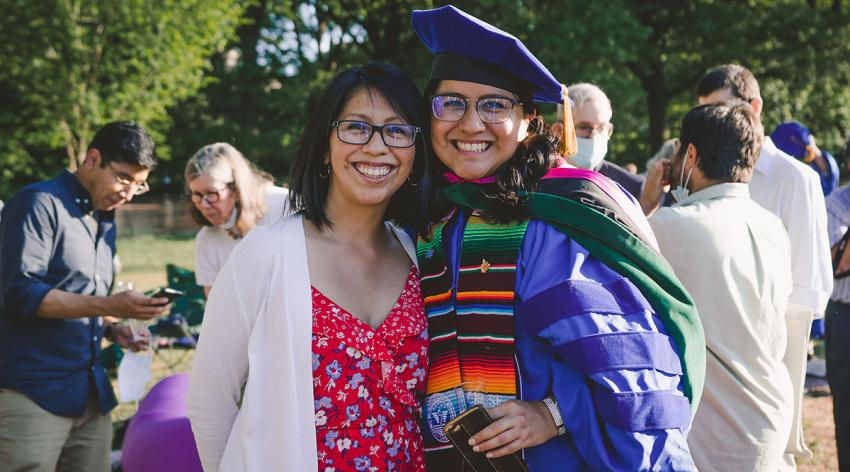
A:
380,130
137,188
204,196
514,102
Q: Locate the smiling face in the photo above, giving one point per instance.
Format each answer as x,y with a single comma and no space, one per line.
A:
219,212
367,174
469,147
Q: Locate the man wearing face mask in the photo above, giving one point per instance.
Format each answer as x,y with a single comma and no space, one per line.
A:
734,257
592,117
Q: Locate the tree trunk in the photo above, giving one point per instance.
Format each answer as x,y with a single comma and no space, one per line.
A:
657,105
251,76
74,148
657,102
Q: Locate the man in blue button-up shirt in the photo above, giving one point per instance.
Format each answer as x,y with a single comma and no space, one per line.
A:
57,243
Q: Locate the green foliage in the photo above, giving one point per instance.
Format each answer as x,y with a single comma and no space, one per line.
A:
70,66
265,84
648,55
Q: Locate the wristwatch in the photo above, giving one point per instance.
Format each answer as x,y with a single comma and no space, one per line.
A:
552,405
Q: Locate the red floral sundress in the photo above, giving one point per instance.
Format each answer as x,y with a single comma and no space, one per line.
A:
366,382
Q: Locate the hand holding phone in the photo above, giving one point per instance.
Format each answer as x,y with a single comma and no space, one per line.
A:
471,421
169,293
668,169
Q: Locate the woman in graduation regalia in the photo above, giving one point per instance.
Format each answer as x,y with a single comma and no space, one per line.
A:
546,298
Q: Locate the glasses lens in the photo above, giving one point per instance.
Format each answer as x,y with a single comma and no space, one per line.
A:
448,108
494,110
211,197
584,131
587,131
354,132
399,135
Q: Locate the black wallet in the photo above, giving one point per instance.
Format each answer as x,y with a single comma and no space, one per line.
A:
471,421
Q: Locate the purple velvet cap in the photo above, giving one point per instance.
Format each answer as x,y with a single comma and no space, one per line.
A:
792,138
469,49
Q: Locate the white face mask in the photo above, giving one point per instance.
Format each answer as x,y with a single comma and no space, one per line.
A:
591,151
681,192
231,222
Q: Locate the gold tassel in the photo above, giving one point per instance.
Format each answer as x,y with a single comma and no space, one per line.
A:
568,143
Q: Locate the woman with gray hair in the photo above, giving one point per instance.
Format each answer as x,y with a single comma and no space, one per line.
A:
229,197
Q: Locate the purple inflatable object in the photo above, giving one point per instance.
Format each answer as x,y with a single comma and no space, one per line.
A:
159,437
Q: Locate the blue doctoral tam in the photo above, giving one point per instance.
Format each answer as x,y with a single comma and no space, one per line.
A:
472,50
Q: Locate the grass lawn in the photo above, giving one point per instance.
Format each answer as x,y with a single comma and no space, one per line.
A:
143,258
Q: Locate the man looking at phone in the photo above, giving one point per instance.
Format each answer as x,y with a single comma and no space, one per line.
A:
57,244
734,257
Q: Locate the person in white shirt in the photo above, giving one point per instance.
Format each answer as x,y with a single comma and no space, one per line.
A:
734,257
790,190
229,198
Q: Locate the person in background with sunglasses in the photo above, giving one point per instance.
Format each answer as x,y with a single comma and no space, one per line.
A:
57,246
547,300
319,315
229,198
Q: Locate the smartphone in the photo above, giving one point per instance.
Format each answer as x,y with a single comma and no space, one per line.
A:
471,421
668,169
170,293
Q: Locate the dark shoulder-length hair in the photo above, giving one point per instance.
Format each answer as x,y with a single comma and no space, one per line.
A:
534,156
308,188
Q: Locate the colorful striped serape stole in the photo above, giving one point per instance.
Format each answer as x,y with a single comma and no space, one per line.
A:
472,353
584,212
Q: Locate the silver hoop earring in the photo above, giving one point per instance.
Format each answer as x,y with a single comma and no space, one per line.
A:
327,172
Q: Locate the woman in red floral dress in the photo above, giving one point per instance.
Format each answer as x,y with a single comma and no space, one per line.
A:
334,283
369,338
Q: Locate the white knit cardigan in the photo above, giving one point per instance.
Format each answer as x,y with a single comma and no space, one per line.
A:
259,320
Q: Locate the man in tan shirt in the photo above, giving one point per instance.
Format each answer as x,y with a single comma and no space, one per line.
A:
734,258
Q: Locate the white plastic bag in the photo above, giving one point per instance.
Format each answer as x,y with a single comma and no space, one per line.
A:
134,373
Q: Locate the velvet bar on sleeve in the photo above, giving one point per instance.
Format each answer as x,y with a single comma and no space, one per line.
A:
586,334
